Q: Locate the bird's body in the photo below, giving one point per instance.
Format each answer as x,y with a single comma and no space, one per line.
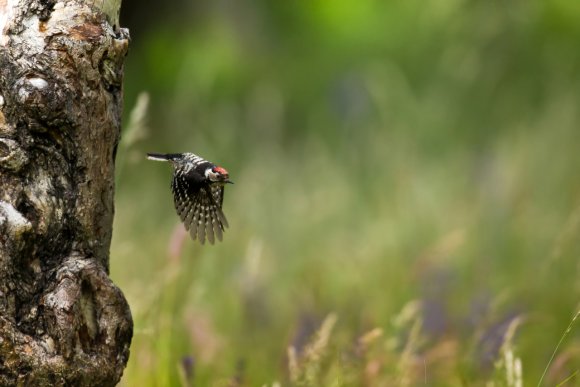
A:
198,194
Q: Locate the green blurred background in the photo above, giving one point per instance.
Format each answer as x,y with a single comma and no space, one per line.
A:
406,207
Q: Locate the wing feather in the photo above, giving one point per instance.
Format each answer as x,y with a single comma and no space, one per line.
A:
201,228
182,201
194,224
218,198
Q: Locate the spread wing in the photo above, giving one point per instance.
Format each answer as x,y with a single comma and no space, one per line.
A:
199,208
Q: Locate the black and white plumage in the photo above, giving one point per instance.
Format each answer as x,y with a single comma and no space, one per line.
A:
198,194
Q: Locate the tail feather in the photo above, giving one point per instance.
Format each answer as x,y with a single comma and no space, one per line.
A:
162,157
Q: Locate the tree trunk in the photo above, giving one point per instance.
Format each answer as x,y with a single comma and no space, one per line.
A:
62,320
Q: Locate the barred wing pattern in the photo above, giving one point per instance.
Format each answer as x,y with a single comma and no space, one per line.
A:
199,207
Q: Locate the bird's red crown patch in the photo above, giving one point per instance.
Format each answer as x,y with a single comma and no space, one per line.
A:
220,170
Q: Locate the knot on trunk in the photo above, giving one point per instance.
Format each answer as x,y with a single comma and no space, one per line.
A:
87,309
86,319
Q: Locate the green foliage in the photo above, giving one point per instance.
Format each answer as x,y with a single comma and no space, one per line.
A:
406,206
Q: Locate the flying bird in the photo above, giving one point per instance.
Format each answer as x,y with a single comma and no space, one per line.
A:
198,194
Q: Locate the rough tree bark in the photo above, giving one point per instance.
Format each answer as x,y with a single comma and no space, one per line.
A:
62,320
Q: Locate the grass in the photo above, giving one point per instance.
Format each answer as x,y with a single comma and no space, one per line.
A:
566,333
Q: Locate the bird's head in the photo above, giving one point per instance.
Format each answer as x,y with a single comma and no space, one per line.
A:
217,174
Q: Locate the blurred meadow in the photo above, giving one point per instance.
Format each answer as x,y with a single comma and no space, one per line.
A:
406,206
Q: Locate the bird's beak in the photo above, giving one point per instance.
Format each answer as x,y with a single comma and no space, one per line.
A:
229,181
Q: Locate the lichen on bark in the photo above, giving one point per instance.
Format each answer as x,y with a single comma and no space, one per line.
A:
62,320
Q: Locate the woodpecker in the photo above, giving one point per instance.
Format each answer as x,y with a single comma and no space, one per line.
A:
198,194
